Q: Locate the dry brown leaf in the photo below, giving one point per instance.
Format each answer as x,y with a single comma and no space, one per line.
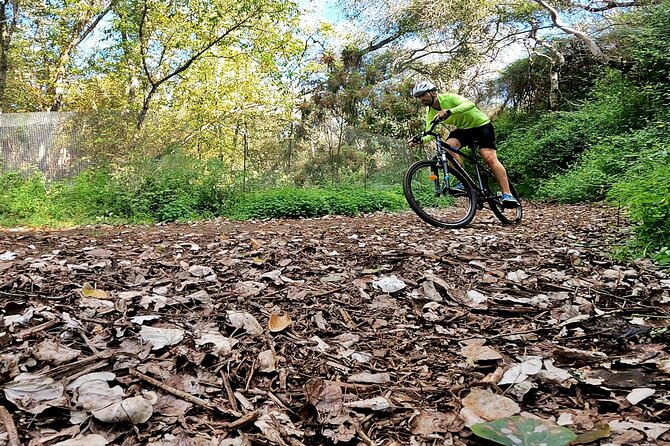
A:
34,393
87,290
278,323
370,378
427,423
134,410
85,440
54,352
489,406
476,353
267,361
246,321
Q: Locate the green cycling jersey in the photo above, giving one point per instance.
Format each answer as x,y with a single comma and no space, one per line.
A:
464,114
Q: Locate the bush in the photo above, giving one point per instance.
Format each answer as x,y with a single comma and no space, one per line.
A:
296,203
167,189
602,166
646,193
21,198
552,142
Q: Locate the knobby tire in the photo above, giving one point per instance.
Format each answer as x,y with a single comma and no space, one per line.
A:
445,210
507,216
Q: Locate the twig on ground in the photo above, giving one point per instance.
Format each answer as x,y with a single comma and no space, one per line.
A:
229,390
171,390
247,418
10,427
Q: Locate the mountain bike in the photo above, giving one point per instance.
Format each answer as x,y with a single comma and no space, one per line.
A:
430,188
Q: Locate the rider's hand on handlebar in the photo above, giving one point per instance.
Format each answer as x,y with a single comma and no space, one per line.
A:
442,115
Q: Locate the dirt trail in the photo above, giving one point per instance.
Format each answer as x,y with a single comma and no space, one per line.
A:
398,331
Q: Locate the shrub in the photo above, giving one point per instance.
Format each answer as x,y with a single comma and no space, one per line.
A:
646,193
296,203
553,142
602,166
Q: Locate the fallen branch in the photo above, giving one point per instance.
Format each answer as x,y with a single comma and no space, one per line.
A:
36,329
171,390
229,391
247,418
10,427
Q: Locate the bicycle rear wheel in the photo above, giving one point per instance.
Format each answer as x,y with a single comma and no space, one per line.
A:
508,216
428,196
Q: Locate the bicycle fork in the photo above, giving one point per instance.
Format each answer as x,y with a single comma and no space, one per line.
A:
436,176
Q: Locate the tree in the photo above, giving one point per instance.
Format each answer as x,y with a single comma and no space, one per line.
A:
9,16
171,37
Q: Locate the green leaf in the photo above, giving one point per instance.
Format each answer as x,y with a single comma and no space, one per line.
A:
517,431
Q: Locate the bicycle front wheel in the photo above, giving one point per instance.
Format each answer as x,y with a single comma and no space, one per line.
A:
508,216
435,203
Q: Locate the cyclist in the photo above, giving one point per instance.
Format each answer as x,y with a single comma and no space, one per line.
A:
472,126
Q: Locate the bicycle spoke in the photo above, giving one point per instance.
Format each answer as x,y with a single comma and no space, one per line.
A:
434,202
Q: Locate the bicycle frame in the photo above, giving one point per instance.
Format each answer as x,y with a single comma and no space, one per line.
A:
445,156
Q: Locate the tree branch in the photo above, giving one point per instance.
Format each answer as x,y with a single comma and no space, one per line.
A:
569,30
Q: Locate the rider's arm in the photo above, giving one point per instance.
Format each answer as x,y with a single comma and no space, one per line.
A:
430,115
456,103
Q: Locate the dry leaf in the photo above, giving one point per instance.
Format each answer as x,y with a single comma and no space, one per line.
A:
54,352
427,423
531,366
639,394
389,284
370,378
476,353
489,406
376,403
135,410
88,291
34,393
96,394
267,361
161,337
278,323
242,319
222,345
102,376
653,430
85,440
275,424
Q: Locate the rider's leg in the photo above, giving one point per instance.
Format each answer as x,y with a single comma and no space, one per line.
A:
453,142
491,159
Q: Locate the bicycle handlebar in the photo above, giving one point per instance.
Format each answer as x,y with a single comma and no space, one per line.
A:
428,131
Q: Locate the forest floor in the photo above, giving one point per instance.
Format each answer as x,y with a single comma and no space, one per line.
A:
371,330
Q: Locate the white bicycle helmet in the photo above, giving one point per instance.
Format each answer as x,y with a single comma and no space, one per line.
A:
423,87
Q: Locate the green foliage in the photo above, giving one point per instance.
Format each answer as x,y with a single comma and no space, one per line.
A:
552,142
646,43
21,198
603,166
517,430
173,188
645,191
295,203
167,189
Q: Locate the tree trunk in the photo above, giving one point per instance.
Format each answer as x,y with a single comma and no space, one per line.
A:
554,90
80,31
7,28
290,148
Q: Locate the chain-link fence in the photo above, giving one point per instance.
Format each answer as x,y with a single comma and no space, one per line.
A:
63,144
43,141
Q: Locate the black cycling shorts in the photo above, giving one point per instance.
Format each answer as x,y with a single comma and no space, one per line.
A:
483,136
